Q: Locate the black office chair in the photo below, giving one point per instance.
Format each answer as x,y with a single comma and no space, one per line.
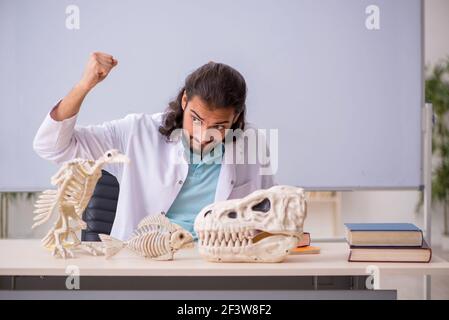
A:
100,212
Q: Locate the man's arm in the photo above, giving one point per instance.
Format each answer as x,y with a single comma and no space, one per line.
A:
98,67
58,140
70,105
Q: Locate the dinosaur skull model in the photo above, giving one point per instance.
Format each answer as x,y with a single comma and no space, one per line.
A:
261,227
75,182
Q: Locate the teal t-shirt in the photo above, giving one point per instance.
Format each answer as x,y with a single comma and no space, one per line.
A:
198,189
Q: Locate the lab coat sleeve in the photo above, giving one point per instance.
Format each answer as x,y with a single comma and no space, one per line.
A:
59,141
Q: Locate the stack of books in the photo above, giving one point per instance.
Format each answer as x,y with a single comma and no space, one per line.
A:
386,242
304,246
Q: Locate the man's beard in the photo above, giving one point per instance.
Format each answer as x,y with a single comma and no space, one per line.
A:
202,149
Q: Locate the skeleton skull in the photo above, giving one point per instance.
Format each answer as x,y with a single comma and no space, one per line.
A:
261,227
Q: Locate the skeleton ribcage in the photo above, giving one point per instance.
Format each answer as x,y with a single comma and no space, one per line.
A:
151,244
80,189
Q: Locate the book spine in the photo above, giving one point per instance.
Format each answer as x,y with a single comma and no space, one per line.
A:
422,238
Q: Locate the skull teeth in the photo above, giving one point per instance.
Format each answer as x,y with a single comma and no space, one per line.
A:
225,239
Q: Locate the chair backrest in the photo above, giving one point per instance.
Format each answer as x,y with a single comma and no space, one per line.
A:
100,212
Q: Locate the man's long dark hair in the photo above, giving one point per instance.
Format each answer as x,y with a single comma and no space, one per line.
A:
217,84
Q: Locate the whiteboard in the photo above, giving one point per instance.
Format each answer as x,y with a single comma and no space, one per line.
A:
346,99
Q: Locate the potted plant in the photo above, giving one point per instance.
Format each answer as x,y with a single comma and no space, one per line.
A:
5,199
437,93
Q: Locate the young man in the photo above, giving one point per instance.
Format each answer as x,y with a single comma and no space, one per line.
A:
161,177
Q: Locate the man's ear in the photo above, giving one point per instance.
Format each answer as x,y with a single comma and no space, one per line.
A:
184,101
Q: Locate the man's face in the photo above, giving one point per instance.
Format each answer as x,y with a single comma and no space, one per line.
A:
205,126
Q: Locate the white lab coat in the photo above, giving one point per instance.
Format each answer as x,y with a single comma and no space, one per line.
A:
151,181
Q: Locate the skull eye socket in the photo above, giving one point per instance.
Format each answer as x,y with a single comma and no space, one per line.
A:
262,206
232,214
207,212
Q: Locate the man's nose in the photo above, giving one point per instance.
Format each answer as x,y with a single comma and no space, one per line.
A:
206,136
210,135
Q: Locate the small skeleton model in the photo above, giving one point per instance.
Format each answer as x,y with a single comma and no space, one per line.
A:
75,182
261,227
156,237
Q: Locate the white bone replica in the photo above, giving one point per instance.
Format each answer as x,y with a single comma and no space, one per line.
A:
156,237
261,227
75,181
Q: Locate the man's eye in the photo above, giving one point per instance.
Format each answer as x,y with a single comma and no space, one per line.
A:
219,127
196,120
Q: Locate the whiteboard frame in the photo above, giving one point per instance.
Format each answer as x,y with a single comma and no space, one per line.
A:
420,187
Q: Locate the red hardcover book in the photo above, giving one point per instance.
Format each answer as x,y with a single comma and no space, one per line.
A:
305,240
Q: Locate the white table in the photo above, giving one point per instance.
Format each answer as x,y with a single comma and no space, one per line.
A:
22,259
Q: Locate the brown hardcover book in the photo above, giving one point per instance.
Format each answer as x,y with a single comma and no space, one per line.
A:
391,254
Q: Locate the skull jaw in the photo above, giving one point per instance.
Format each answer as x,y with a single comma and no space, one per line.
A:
274,248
